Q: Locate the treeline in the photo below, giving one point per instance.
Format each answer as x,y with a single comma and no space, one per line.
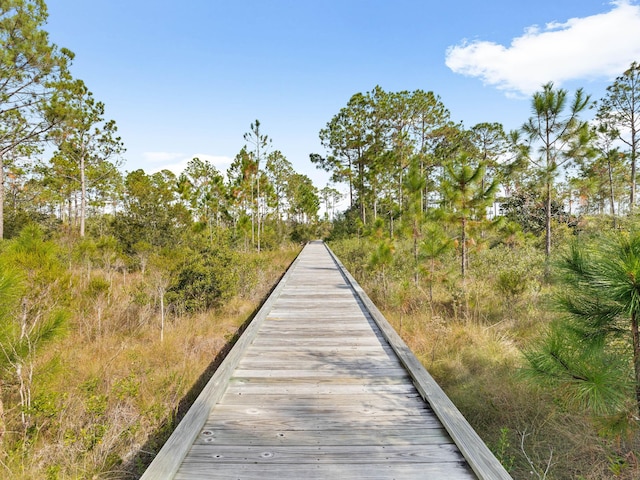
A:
401,154
261,201
60,160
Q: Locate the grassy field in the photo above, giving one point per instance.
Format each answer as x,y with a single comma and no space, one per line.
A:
105,395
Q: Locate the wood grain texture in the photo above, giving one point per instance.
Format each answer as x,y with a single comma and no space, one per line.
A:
317,390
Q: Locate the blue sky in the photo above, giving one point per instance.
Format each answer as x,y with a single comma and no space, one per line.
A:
187,78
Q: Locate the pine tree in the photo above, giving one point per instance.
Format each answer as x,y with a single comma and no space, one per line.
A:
584,353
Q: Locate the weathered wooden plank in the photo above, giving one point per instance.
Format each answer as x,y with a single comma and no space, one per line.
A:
339,437
323,349
319,422
360,412
349,337
355,454
414,471
317,388
318,373
378,400
276,340
314,408
314,364
377,384
321,323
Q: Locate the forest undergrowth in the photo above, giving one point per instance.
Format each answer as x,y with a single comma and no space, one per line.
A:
104,392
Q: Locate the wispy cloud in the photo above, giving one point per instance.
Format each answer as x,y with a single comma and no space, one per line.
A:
177,162
600,46
160,157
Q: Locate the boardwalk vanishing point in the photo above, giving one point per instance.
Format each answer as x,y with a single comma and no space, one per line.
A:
320,386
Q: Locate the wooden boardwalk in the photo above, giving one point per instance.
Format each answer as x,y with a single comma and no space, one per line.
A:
321,387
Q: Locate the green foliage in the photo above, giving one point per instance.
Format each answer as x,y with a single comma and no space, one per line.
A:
382,256
619,114
502,450
88,150
584,376
466,197
31,71
303,232
372,140
204,280
592,353
303,198
556,136
527,209
97,286
512,283
345,225
151,216
37,290
10,291
127,387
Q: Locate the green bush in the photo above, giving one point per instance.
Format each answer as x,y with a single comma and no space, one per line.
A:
303,233
204,280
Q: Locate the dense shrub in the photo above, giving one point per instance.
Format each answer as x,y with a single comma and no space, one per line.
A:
204,280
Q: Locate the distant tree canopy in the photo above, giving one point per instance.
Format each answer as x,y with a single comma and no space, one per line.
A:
396,152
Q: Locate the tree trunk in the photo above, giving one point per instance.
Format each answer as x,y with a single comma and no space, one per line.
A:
258,205
431,276
83,194
611,196
1,197
634,155
547,249
463,241
636,355
416,278
363,215
632,199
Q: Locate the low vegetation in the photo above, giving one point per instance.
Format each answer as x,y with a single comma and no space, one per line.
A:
480,337
92,381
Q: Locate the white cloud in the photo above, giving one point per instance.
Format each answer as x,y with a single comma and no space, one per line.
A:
596,47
